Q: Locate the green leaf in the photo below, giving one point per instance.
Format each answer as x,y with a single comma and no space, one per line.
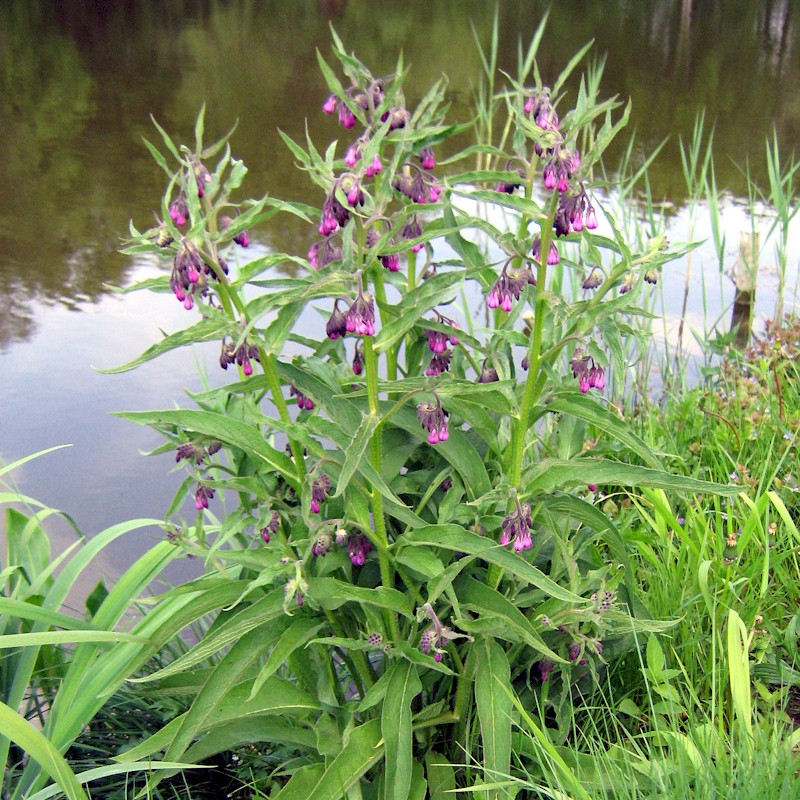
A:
39,748
488,602
552,473
492,679
297,635
418,301
354,452
404,685
225,429
441,776
454,537
265,610
63,637
363,750
204,331
332,594
588,409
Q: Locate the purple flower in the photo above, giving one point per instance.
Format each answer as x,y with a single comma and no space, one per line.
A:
361,314
186,280
508,287
243,355
201,497
439,363
589,374
179,210
269,529
358,546
434,419
358,362
303,402
337,324
322,544
552,253
545,669
517,527
375,166
488,373
593,279
320,486
426,157
412,230
329,106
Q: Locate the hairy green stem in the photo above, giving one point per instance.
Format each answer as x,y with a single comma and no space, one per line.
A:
376,499
268,364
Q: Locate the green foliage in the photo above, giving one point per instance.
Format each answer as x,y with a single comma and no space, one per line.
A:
387,585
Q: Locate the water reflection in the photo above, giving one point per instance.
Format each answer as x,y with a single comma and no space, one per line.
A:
79,81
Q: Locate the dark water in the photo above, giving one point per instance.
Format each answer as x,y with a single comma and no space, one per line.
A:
79,81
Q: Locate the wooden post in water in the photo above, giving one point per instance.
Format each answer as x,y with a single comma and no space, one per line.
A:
744,277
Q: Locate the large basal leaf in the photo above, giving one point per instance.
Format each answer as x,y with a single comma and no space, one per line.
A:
492,679
403,686
454,537
265,610
553,473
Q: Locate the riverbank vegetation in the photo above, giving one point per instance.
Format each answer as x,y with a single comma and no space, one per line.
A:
456,538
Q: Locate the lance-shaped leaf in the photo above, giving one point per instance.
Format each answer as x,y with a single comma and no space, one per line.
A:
552,473
206,330
332,594
454,537
489,603
492,679
404,685
362,751
588,409
225,429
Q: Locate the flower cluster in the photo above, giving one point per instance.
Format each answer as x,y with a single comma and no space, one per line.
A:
574,212
437,342
243,355
360,317
434,419
517,527
510,284
589,374
242,238
593,279
320,486
201,497
195,451
303,401
435,638
186,279
268,529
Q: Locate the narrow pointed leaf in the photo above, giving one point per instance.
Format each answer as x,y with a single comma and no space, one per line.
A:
404,685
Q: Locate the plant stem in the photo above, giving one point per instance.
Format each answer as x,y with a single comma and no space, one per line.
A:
376,499
268,364
533,385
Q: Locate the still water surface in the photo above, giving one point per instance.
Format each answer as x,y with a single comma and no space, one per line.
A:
79,81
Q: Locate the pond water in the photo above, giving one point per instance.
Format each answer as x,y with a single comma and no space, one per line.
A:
79,82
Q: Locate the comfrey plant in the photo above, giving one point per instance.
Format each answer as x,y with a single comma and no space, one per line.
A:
425,545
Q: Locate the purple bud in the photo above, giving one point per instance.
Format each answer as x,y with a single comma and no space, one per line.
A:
329,106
